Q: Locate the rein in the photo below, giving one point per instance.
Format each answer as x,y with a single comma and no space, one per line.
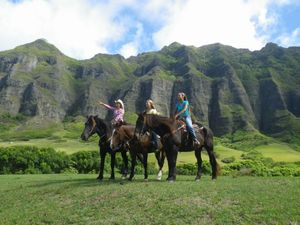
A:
178,129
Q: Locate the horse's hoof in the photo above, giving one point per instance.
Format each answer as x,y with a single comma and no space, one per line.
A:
146,179
112,178
197,178
214,180
130,178
99,178
159,175
170,180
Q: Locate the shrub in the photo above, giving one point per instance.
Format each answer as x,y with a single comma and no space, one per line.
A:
139,169
228,159
28,159
252,155
85,161
191,169
32,160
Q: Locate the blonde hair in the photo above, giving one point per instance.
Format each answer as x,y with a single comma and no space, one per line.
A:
152,106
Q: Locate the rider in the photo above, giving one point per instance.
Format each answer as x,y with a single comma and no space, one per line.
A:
118,111
182,112
150,109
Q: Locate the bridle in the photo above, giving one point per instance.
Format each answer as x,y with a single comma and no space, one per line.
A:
93,126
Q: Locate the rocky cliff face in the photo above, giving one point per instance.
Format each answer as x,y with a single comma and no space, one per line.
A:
229,89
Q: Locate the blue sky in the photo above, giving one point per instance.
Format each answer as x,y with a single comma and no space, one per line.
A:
83,28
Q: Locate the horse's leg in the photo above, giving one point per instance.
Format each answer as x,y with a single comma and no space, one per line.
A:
199,163
213,161
133,163
125,160
112,165
163,156
160,160
145,163
168,154
101,166
172,163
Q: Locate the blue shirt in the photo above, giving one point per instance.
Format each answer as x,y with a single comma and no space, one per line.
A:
181,106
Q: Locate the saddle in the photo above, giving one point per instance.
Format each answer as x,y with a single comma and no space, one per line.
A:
117,124
182,126
185,136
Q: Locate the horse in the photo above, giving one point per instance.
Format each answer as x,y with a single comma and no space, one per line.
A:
137,145
93,125
175,138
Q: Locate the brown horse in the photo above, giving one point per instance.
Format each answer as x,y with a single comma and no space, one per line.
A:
175,139
137,145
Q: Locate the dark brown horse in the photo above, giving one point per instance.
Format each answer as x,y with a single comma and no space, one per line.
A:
103,129
137,145
175,139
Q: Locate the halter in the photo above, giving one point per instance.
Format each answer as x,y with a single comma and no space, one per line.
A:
93,126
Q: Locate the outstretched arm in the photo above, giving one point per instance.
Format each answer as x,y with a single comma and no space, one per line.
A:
106,106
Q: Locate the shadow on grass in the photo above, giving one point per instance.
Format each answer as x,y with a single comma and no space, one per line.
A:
92,182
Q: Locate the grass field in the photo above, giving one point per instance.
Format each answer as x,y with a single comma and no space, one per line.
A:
279,152
80,199
65,145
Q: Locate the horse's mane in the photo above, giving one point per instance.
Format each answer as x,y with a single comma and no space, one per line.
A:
104,124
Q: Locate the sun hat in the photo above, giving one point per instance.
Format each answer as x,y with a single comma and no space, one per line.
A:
120,102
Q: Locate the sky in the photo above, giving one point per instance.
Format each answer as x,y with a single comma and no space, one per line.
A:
84,28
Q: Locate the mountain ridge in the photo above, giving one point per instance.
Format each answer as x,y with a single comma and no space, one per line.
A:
229,89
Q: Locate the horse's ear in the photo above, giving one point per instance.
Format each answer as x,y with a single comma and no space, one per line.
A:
96,116
87,116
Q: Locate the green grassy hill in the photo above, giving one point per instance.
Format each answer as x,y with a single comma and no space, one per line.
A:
65,137
80,199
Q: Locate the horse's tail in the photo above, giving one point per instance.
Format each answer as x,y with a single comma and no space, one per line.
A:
208,142
218,169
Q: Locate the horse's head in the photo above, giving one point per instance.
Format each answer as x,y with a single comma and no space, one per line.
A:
140,125
117,138
90,127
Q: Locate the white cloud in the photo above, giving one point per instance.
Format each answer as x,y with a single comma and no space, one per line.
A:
78,28
234,22
290,39
83,28
131,48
